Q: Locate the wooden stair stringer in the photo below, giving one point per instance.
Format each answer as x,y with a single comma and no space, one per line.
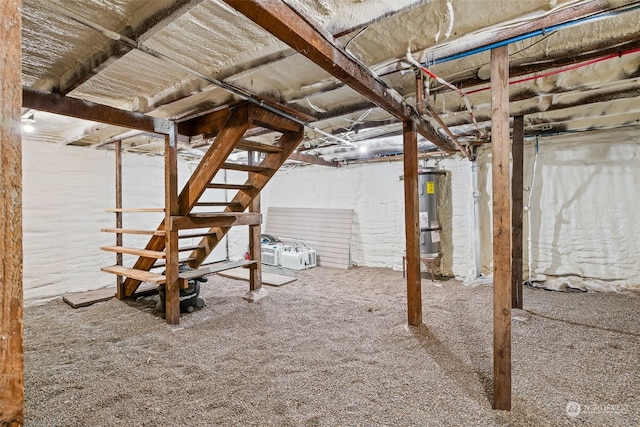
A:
225,142
288,141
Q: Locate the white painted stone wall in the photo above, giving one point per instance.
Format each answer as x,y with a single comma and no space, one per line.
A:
584,227
65,192
376,194
583,211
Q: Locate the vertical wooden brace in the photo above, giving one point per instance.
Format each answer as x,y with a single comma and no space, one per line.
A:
517,155
11,326
502,232
412,226
172,285
255,231
119,279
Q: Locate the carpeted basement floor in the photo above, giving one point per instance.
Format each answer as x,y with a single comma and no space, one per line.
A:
333,348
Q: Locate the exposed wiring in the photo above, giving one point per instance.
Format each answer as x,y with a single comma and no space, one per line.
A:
442,81
561,70
540,32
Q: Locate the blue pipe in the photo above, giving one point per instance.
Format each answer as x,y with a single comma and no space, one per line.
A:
531,34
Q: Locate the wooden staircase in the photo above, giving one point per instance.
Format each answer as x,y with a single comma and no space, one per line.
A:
185,211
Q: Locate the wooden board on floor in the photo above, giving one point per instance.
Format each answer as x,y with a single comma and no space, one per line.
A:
84,299
267,278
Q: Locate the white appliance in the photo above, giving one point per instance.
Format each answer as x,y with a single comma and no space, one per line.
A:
298,258
271,253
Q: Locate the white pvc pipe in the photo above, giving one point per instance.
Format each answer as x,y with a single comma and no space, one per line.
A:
527,208
475,193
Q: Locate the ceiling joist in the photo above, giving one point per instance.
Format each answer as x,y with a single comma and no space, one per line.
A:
320,47
117,49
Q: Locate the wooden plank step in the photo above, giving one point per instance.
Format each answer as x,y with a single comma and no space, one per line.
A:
130,231
190,248
248,168
214,268
163,263
134,251
214,219
256,146
142,275
243,187
84,299
195,235
230,204
134,210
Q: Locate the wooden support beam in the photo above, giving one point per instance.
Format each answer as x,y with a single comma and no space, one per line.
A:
267,119
314,160
517,188
72,107
207,124
172,284
320,47
255,231
119,239
502,232
412,224
11,324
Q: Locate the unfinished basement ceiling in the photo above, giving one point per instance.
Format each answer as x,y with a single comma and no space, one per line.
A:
578,76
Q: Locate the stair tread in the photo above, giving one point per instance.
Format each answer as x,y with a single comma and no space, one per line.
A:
231,186
194,235
163,263
134,251
131,231
256,146
248,168
142,275
134,210
218,204
220,214
214,268
190,248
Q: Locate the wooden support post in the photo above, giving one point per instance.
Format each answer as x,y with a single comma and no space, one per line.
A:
119,279
411,224
11,326
255,231
517,156
172,284
501,189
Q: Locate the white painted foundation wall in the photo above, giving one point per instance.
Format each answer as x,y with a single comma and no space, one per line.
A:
65,192
584,227
583,211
